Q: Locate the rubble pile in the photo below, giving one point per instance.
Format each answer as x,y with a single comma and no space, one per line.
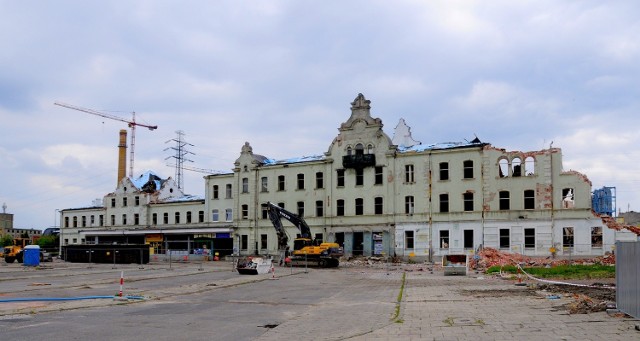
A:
489,257
583,304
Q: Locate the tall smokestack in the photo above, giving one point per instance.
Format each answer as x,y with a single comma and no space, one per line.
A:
122,155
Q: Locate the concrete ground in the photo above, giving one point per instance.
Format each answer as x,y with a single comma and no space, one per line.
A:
432,306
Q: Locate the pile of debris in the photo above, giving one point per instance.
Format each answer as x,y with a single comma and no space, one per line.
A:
489,257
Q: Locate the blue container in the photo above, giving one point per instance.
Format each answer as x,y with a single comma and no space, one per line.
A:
32,255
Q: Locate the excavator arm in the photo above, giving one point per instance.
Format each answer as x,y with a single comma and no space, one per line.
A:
276,213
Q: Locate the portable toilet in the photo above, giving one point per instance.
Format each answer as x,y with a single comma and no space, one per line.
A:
31,255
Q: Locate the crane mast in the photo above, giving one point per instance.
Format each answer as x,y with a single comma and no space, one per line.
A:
131,123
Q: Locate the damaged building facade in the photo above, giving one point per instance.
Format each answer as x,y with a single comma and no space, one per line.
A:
376,195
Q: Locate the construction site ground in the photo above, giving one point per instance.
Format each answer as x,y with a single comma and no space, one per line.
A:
363,299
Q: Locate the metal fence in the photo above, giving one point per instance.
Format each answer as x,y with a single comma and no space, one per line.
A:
628,278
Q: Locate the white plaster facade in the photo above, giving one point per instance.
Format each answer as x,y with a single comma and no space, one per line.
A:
373,197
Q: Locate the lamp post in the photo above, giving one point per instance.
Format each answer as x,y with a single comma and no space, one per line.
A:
55,224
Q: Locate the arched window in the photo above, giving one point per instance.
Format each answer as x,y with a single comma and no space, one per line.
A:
503,167
370,149
516,163
359,149
349,151
529,166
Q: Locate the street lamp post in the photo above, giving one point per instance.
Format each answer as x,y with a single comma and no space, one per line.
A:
55,224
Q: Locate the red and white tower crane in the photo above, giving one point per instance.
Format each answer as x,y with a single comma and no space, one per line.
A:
131,123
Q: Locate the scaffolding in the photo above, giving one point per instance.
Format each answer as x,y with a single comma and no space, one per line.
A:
603,201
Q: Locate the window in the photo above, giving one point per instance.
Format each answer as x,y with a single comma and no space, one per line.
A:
154,218
319,180
263,241
245,185
359,177
529,238
228,193
444,203
505,241
468,239
444,171
113,202
567,198
503,168
124,202
378,207
517,167
379,175
201,216
319,208
100,220
529,166
84,221
300,181
177,217
567,237
264,211
340,207
359,206
136,219
66,221
300,207
444,239
136,201
318,237
215,216
189,217
165,218
280,182
467,169
124,219
214,193
264,184
596,236
468,201
529,199
504,200
408,239
228,214
408,174
408,204
340,177
244,242
113,219
245,211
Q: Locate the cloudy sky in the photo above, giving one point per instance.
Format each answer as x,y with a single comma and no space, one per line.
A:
281,75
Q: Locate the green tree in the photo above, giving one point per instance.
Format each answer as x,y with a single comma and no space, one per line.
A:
6,240
48,242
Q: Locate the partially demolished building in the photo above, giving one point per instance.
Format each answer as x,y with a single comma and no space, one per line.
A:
376,195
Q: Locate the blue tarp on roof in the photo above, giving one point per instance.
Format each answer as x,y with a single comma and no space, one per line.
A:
143,179
441,145
295,160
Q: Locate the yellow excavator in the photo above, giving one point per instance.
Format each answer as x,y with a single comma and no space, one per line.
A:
306,251
14,252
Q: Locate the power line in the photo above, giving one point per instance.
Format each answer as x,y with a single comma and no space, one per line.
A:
180,156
